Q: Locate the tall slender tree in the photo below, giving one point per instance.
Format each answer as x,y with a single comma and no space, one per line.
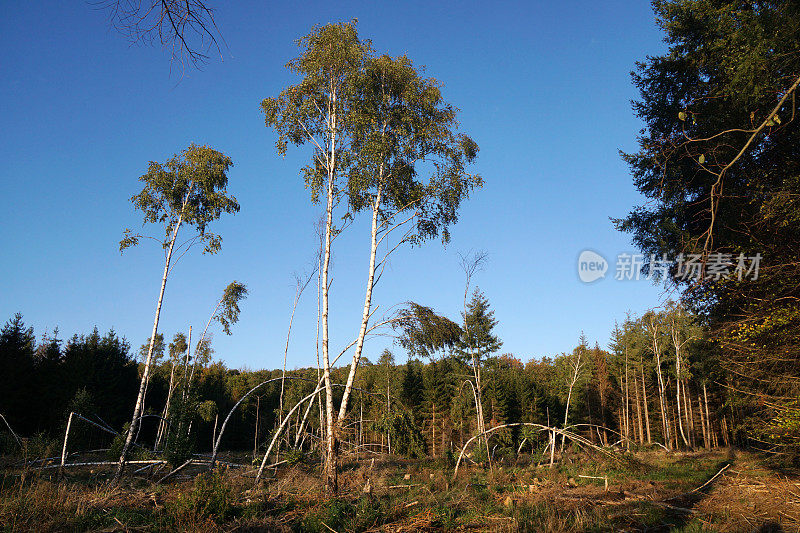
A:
402,121
371,121
188,190
478,331
319,111
477,340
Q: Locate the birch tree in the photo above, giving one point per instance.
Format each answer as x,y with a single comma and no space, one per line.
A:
318,111
653,323
424,333
226,313
681,333
401,121
369,120
188,190
575,364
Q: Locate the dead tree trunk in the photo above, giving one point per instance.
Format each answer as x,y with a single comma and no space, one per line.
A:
646,408
661,386
576,363
638,408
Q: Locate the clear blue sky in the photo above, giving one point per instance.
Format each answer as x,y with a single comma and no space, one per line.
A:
543,88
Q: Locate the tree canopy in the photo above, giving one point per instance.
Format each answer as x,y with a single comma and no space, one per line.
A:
190,188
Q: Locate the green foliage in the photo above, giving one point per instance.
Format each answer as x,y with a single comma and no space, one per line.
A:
91,374
424,333
328,65
723,178
115,450
401,120
178,347
371,119
103,366
207,410
446,518
180,444
341,515
477,337
209,497
158,348
189,188
784,428
294,457
228,313
448,459
412,390
407,439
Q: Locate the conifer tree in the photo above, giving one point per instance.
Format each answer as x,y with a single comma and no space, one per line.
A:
477,333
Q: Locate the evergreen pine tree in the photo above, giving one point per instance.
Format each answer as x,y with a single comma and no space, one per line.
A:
17,345
477,337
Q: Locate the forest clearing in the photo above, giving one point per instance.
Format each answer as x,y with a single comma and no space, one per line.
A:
647,491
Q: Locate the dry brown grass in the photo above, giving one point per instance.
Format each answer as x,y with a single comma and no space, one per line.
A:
750,495
645,494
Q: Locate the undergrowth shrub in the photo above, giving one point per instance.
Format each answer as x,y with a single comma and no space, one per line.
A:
294,457
117,444
210,497
340,515
445,517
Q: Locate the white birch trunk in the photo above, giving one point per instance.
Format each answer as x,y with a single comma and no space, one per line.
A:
365,314
678,378
137,410
661,388
162,426
646,408
331,481
66,437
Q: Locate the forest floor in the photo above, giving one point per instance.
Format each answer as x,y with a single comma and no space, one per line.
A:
722,490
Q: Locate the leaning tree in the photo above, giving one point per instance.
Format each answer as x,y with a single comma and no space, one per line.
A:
188,190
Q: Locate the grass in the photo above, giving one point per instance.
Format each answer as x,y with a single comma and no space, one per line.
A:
508,498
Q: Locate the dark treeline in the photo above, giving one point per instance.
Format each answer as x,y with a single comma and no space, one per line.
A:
41,382
657,383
